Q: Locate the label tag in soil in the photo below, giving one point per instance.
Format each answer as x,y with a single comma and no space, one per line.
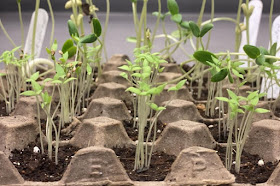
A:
42,22
254,24
269,86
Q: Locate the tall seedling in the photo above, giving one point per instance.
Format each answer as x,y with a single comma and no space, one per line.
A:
143,77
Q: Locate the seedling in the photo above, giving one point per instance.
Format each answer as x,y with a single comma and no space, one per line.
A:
247,107
143,78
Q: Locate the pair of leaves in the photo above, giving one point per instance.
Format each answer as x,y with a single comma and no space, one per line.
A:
196,30
259,53
73,31
205,57
69,47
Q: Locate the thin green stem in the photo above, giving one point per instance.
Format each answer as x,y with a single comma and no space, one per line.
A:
21,24
270,22
34,29
7,35
53,22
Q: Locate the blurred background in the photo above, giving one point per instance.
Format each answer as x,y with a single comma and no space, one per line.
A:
121,23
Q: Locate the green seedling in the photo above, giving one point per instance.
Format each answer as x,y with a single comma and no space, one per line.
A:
143,78
247,106
15,77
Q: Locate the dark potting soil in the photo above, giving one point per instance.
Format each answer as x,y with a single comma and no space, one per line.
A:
214,129
250,171
38,167
133,132
201,107
159,168
3,109
204,94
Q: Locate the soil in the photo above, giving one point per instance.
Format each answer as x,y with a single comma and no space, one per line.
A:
250,171
204,94
202,107
38,167
3,109
277,112
159,168
133,132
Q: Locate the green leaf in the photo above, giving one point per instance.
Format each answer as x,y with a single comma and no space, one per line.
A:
260,60
56,82
261,110
136,75
67,45
28,93
97,27
47,79
222,99
230,78
235,72
159,89
161,108
172,89
185,25
273,51
73,31
252,51
88,38
177,18
181,84
153,106
204,57
48,51
69,79
72,51
206,28
172,7
36,87
134,90
131,39
220,75
59,71
54,46
35,76
194,28
232,95
124,75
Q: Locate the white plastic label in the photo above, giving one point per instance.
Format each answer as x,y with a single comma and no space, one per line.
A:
254,24
269,86
42,22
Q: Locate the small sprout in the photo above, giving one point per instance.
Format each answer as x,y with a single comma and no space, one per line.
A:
158,131
234,162
36,149
60,52
261,162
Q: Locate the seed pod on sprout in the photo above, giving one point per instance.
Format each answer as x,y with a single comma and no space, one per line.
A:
251,9
79,19
79,63
244,8
60,52
68,75
68,5
74,69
